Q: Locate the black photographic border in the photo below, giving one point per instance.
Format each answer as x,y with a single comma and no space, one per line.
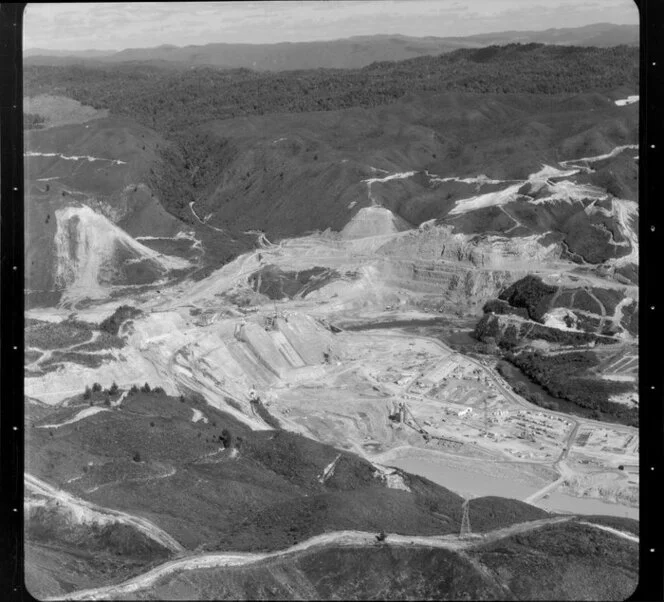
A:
651,325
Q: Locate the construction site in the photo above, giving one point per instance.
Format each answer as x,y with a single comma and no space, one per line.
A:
387,394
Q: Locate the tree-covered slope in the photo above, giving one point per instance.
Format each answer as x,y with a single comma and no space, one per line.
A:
167,99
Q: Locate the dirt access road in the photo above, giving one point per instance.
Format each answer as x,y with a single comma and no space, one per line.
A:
563,470
334,539
68,500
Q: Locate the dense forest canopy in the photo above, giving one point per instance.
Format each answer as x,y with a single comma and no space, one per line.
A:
170,99
570,376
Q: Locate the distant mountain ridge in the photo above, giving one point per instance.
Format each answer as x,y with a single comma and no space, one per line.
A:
349,53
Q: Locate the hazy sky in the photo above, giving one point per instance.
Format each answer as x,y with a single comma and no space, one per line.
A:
119,25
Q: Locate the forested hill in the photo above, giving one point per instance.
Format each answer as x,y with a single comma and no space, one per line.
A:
168,99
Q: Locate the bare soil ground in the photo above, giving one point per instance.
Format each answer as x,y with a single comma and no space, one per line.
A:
341,387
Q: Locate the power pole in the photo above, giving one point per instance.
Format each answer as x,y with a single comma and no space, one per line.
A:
465,520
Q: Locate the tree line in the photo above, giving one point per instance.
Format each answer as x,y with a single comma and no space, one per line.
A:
168,99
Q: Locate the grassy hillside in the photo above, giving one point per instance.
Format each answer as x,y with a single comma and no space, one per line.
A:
103,164
214,485
380,573
56,567
287,174
562,562
627,525
79,555
253,490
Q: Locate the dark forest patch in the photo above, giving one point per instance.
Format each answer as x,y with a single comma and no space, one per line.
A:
277,283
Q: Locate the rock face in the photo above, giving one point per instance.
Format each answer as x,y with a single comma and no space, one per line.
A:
464,269
91,252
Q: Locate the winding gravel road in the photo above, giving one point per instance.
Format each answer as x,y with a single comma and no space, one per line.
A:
333,539
140,524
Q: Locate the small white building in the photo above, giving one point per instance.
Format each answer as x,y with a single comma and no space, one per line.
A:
464,412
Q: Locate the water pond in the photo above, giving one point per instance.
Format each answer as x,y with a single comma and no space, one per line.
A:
464,481
470,482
